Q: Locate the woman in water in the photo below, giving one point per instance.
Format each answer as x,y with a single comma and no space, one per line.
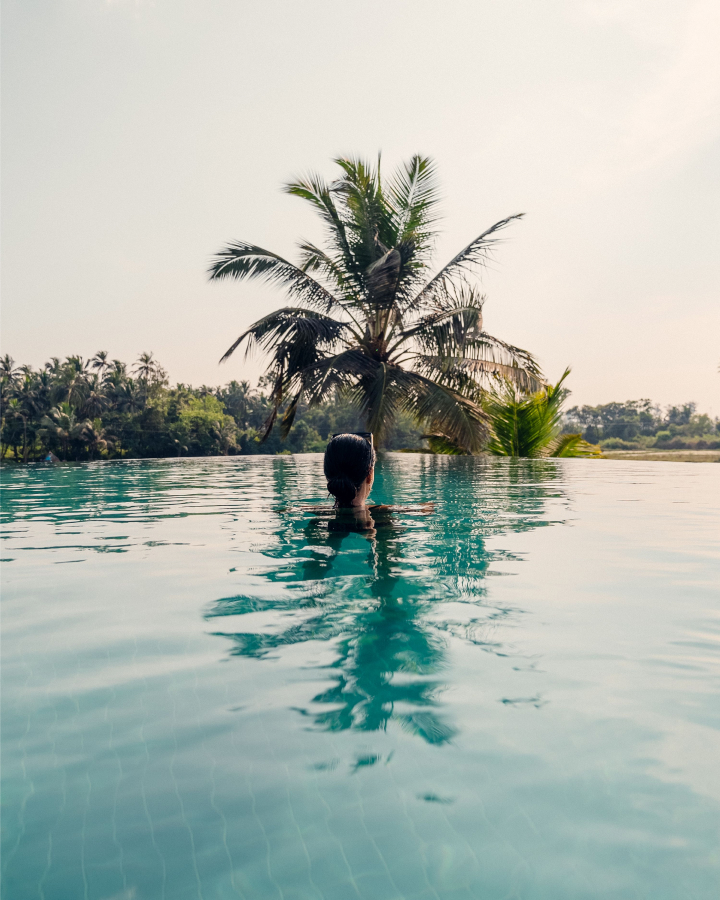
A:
350,468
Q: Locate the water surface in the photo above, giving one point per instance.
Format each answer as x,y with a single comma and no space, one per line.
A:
208,694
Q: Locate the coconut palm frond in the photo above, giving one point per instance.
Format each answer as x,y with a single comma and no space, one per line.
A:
414,195
450,413
482,369
460,418
380,394
337,371
299,341
461,316
313,189
369,219
242,260
573,445
287,326
452,343
320,380
475,254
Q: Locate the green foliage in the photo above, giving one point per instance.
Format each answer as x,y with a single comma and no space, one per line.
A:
440,443
202,427
530,424
523,425
116,411
112,413
367,323
568,445
638,424
620,444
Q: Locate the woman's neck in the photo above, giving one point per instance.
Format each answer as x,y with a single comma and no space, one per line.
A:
361,495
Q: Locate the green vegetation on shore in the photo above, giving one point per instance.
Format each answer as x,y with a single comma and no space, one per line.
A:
102,409
639,425
98,408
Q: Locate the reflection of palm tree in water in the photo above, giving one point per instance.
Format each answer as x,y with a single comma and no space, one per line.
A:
370,588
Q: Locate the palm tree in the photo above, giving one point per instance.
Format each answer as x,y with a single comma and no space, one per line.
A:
225,434
127,396
60,425
118,369
26,395
93,435
235,398
367,320
530,425
75,374
95,401
145,367
101,362
9,375
8,370
150,375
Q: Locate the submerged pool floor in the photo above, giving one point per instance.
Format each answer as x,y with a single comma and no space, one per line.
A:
209,693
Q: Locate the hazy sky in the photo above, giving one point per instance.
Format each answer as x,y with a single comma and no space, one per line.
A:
139,136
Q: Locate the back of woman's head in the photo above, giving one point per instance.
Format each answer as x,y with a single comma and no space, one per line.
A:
349,459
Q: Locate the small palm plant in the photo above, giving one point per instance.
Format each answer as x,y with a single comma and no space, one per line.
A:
530,425
368,321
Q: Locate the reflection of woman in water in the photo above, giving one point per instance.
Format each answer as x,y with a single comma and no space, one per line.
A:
380,640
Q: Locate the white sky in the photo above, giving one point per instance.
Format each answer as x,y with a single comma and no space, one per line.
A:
139,136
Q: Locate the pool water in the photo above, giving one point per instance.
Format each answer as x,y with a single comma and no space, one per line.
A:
209,693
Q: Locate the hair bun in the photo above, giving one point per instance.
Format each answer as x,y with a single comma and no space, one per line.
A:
342,488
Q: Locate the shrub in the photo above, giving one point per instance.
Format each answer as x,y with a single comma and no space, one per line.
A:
620,444
662,437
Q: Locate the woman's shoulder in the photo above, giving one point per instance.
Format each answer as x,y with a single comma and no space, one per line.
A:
421,508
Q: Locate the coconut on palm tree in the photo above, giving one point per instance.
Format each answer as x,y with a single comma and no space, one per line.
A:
368,320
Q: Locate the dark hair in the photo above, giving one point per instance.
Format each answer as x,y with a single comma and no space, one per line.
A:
348,461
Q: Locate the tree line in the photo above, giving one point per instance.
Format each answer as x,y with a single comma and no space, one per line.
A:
83,409
639,424
101,408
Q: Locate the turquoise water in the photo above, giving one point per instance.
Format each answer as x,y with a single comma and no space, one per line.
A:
208,694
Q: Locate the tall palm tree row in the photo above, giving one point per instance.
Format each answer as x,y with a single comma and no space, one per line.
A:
369,320
61,405
79,409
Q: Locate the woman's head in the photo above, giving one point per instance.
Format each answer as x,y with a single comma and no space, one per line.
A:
349,465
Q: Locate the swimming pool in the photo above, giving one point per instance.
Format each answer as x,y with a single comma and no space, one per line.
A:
207,694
